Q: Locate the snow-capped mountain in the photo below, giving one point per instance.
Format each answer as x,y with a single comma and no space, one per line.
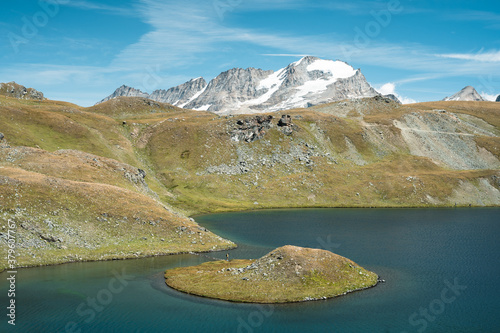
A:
466,94
304,83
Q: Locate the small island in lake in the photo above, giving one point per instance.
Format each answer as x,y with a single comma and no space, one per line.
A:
286,274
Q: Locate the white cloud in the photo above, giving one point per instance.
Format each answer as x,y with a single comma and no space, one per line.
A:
489,97
186,35
285,55
492,56
192,31
87,5
85,85
406,100
474,15
390,88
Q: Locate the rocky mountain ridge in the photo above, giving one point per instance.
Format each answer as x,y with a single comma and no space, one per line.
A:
182,94
309,81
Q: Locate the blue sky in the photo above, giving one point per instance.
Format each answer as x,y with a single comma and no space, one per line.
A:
82,50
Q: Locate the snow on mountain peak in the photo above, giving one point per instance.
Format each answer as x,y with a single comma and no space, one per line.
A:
335,70
338,69
303,83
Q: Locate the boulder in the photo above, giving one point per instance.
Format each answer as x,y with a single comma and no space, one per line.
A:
285,120
286,125
498,98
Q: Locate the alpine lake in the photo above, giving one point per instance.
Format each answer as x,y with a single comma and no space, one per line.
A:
441,269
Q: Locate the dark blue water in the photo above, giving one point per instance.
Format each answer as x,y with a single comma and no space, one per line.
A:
441,266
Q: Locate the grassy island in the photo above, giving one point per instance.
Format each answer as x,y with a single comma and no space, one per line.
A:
286,274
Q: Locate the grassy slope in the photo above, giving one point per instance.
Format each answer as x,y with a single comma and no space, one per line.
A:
358,156
383,173
79,195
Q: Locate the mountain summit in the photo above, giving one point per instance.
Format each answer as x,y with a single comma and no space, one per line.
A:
309,81
125,91
466,94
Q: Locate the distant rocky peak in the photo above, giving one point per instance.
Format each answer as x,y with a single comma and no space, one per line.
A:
129,91
181,94
305,61
466,94
125,91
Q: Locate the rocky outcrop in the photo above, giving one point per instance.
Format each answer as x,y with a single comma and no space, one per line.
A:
251,129
125,91
498,98
304,83
466,94
254,128
15,90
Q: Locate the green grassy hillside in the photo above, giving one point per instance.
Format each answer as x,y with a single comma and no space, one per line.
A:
357,159
119,179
